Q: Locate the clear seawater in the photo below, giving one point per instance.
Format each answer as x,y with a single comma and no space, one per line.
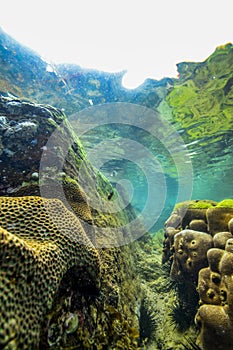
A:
157,159
210,177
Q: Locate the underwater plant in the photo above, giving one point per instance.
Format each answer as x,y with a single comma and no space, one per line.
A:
190,344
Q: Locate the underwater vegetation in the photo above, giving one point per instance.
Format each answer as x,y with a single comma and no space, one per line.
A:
189,344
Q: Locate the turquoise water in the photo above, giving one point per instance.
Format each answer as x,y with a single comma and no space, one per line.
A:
210,178
165,141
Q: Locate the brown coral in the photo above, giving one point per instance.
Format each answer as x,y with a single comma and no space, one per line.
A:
221,238
216,328
216,321
40,241
190,249
198,225
218,219
186,215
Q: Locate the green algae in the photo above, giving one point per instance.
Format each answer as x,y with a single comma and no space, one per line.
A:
205,204
225,203
196,204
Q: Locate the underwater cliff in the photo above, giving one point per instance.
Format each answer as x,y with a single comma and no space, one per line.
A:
67,277
81,268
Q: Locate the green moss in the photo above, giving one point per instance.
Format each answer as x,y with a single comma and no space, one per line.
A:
196,204
225,203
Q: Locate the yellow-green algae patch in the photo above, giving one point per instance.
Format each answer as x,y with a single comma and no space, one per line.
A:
196,204
226,203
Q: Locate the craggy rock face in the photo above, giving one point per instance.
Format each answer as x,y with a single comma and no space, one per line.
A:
56,289
215,288
209,287
168,243
216,328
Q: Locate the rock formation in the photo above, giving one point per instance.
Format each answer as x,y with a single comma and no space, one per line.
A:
204,260
64,284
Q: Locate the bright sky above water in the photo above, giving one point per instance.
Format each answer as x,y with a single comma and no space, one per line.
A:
145,37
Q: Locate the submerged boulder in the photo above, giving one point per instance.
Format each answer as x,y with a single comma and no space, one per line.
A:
67,279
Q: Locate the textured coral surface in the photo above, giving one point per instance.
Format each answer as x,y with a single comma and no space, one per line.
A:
40,241
204,260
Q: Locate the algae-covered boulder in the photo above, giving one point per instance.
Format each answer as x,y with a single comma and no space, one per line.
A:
67,280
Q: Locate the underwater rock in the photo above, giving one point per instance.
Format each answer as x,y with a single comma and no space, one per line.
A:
174,220
216,328
230,225
186,215
168,243
209,287
52,162
56,289
204,215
